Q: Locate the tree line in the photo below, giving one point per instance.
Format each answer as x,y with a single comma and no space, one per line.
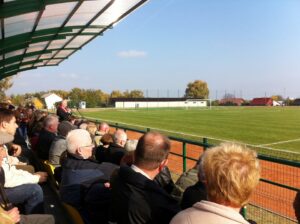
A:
95,97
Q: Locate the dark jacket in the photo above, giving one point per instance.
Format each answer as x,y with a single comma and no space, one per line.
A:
164,180
193,194
77,171
100,153
62,114
43,144
114,154
138,200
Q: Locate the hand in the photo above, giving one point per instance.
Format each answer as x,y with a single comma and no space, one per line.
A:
16,149
14,214
42,175
107,185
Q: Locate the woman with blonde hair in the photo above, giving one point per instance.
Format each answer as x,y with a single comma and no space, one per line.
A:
231,174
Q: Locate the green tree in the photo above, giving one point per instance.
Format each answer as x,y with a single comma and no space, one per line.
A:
18,100
197,89
116,94
76,95
277,97
5,84
136,94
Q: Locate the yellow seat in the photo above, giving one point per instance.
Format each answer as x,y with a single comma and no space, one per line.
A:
73,213
49,166
50,170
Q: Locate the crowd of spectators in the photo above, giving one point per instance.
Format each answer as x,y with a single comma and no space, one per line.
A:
109,178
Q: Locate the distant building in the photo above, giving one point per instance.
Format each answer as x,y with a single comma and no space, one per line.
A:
50,100
157,102
232,101
296,102
278,103
82,105
264,101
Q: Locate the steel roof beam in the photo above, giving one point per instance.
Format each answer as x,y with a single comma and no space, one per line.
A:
65,22
19,7
90,22
19,57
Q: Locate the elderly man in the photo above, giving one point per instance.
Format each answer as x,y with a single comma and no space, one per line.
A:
231,175
136,198
46,137
103,129
116,151
78,168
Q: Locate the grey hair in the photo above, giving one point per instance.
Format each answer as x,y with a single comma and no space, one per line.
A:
130,145
120,135
77,138
50,120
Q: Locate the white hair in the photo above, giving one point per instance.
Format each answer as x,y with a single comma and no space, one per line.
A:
120,135
130,145
77,138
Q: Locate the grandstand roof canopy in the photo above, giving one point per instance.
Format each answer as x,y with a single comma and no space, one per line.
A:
35,33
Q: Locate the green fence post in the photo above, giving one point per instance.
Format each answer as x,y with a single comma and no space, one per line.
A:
205,143
244,212
184,156
148,129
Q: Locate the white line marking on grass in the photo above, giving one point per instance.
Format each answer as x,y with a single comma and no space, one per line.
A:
276,143
170,131
199,136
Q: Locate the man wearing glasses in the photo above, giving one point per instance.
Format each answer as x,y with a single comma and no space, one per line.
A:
78,167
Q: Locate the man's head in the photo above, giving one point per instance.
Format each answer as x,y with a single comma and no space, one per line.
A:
64,103
231,173
4,139
120,137
50,123
152,151
103,128
7,121
64,128
79,143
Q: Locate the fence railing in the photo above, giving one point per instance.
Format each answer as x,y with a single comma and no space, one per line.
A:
274,197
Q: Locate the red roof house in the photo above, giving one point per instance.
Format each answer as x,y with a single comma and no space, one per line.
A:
264,101
232,101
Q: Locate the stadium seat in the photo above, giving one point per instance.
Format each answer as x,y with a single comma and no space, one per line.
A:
50,170
73,213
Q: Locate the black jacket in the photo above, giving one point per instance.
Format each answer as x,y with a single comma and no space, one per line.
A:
114,154
62,114
138,200
75,172
193,194
44,143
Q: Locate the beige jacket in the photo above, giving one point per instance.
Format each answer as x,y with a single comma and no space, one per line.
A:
206,212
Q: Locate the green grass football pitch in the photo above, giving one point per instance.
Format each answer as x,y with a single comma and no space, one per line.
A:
271,127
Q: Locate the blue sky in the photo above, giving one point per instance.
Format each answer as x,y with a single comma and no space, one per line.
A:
247,47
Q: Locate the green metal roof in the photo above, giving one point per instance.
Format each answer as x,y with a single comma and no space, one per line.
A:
35,33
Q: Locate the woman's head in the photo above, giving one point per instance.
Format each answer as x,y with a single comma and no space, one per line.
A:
231,173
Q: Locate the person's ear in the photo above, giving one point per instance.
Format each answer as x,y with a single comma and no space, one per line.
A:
79,151
4,124
163,164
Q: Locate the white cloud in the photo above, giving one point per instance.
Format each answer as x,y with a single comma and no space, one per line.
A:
132,54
